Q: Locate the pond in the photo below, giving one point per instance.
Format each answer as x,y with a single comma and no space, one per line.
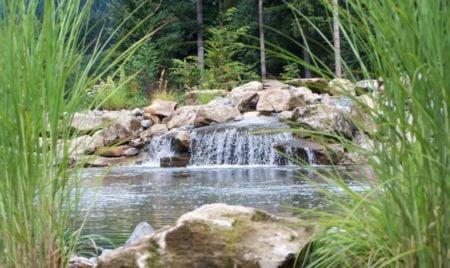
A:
114,201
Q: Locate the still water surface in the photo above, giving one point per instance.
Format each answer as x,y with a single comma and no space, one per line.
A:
114,201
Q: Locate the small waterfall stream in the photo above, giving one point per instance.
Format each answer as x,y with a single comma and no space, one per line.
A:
233,143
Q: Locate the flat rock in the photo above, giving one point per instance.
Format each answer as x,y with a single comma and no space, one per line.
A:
161,108
141,231
250,86
208,114
183,116
217,235
317,84
274,100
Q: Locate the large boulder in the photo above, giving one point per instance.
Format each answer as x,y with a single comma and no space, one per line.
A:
274,100
250,86
325,118
89,121
195,97
116,151
122,129
303,96
362,114
340,86
181,160
275,85
81,145
217,235
208,114
158,130
183,116
366,86
161,108
317,85
245,101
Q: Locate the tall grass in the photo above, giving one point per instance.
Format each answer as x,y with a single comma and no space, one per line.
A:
42,77
404,220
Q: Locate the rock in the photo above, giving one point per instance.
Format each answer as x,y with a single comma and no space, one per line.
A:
99,161
80,262
274,85
317,85
208,114
142,230
217,235
137,112
131,151
325,118
175,161
81,145
158,130
244,101
146,123
154,118
302,96
122,130
366,86
274,100
322,154
196,97
362,114
182,141
252,114
161,108
250,86
339,86
137,143
87,122
184,116
286,115
113,151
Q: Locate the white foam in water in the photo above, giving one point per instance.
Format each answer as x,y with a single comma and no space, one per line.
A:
236,147
160,147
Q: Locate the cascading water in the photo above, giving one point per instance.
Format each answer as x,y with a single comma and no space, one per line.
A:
234,143
160,147
236,147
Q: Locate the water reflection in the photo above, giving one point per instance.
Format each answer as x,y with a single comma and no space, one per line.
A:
126,196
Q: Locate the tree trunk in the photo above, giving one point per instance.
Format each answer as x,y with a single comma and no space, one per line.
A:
200,48
261,39
307,59
337,41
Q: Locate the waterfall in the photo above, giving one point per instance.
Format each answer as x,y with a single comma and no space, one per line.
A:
160,147
236,146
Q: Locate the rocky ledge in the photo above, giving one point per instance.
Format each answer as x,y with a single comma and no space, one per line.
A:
338,108
215,235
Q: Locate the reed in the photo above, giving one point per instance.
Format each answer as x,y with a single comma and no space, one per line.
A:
403,221
43,76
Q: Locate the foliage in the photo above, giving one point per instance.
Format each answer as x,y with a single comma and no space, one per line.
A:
166,95
115,95
290,71
43,76
403,221
204,98
186,72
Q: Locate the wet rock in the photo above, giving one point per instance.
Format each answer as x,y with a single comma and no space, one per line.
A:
326,119
146,123
250,86
196,97
274,100
208,114
131,151
99,161
340,86
158,130
183,116
113,151
252,114
317,85
161,108
182,141
175,161
312,152
217,235
141,231
245,101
